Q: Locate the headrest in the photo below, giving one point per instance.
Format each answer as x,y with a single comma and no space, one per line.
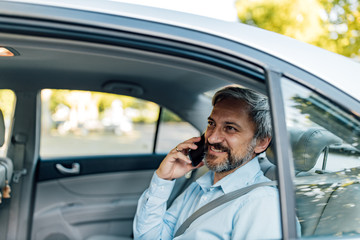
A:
307,145
2,129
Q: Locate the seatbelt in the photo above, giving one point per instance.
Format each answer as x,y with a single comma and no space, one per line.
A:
219,201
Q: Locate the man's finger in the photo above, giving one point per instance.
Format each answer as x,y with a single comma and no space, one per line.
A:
180,156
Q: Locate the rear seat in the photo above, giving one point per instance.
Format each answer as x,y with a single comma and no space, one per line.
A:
307,146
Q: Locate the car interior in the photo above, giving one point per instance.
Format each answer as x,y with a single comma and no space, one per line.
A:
59,183
102,198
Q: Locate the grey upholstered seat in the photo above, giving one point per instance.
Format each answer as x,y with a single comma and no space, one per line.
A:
307,145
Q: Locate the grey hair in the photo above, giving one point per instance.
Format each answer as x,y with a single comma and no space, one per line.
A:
258,107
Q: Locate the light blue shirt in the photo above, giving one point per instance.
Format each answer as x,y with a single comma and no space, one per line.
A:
255,215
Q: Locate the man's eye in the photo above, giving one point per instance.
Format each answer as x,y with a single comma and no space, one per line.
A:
230,128
210,123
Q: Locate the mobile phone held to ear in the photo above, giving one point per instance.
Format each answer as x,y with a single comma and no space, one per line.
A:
197,155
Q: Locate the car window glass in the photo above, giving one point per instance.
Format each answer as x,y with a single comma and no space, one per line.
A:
172,131
83,123
77,123
325,143
7,106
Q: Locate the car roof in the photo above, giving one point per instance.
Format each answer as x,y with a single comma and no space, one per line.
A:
338,70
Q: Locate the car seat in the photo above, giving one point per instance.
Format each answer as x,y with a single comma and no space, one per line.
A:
307,146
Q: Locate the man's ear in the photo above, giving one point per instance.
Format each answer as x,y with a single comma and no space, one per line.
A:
262,144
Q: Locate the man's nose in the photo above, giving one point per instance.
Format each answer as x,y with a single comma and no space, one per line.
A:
215,136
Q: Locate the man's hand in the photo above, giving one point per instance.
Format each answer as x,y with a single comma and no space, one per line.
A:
176,164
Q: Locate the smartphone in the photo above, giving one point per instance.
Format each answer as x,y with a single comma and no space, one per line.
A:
197,155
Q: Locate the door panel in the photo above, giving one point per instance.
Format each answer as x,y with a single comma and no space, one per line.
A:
85,205
97,164
112,143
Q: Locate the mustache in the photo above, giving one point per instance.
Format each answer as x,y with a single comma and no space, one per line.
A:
217,146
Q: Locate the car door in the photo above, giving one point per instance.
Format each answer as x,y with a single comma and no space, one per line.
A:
326,158
94,165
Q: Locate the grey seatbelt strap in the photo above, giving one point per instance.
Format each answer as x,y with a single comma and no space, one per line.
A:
219,201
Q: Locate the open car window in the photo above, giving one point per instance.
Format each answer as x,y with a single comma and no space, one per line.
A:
325,143
84,123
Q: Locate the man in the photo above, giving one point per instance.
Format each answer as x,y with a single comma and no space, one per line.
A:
239,128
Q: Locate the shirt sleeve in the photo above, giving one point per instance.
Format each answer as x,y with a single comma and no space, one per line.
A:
150,220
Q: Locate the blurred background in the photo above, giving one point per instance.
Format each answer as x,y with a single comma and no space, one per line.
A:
330,24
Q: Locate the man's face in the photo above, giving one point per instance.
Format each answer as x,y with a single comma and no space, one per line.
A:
229,136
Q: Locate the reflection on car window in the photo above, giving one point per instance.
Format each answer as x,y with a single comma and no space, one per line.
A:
7,106
325,141
83,123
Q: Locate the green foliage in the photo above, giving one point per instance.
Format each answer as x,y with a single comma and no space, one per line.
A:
146,112
59,97
168,116
105,100
331,24
343,26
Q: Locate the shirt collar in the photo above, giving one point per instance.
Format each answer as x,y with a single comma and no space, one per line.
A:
242,177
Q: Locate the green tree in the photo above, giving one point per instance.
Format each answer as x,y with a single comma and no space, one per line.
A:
342,22
331,24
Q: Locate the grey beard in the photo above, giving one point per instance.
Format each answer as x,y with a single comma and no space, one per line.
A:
232,161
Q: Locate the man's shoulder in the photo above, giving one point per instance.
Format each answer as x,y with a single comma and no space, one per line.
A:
265,190
262,194
261,200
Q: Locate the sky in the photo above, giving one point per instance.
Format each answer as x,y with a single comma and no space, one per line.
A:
219,9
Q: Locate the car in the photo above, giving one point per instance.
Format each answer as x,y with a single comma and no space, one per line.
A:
95,94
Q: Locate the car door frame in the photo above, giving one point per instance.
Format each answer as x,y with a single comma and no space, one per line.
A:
282,152
204,53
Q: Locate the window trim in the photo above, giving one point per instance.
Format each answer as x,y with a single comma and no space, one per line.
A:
283,155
